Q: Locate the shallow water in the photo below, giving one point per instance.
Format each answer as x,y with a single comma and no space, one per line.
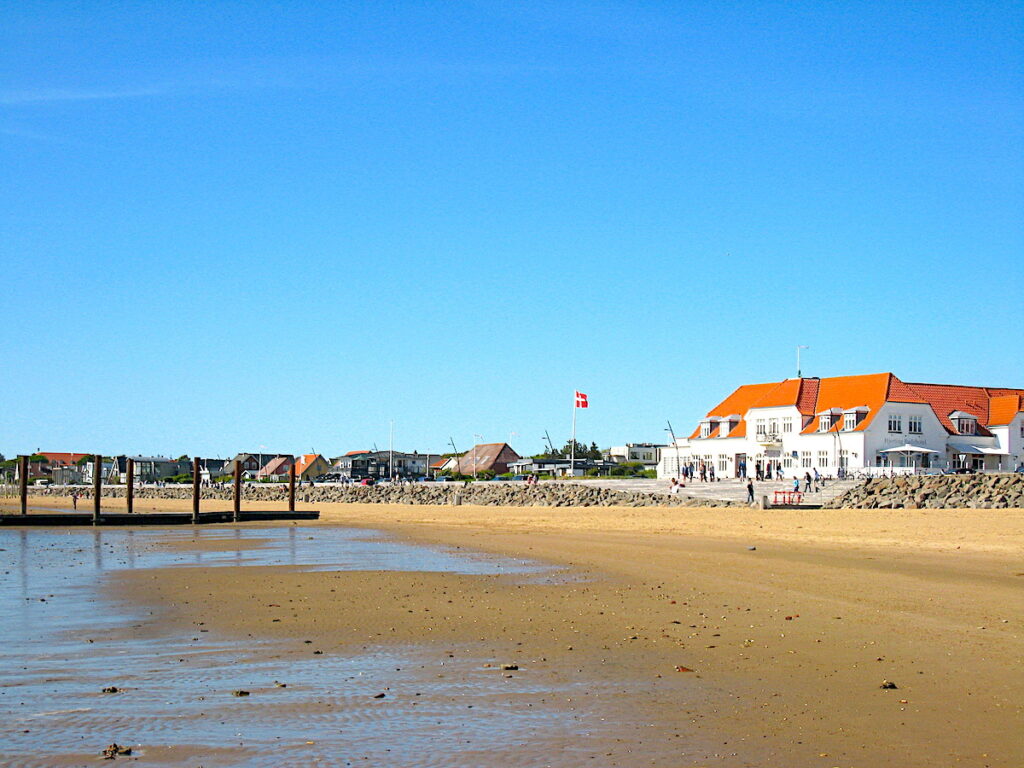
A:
63,641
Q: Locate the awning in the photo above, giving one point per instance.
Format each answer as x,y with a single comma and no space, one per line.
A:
959,447
908,448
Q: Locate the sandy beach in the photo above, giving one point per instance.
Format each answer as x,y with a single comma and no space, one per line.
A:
716,637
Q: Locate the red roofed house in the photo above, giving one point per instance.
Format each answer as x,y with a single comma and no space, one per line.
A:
869,421
489,457
275,470
62,468
309,466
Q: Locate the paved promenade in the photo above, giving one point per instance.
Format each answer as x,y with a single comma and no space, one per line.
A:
728,489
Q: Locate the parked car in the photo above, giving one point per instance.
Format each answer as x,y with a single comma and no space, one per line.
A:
367,481
961,471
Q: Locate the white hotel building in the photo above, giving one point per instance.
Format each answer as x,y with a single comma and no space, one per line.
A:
873,421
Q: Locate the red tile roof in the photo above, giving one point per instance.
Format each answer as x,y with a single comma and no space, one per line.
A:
1002,409
276,466
814,396
487,456
303,462
64,459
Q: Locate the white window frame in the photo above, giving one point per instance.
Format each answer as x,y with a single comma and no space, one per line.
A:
896,423
915,425
849,421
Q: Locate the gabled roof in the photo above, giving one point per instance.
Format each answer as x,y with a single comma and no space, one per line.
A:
303,462
1003,408
946,398
276,466
485,456
63,459
990,406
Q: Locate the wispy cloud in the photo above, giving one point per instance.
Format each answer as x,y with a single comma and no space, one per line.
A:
43,95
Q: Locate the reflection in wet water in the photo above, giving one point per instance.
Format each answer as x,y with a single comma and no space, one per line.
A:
63,643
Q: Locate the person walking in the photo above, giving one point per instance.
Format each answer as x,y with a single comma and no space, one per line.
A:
807,482
750,491
74,500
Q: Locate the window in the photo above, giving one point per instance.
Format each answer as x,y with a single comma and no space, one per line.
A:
787,462
965,426
805,459
914,425
722,466
895,423
844,458
787,425
849,421
824,422
773,426
822,459
705,428
759,425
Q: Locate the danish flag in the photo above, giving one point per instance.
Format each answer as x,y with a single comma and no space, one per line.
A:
581,400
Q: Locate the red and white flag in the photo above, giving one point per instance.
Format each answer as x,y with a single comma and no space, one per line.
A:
581,400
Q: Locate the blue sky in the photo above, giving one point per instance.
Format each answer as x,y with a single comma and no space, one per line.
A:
233,225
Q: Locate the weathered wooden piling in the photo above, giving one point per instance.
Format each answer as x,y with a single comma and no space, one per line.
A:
23,482
130,490
195,490
97,487
291,487
238,491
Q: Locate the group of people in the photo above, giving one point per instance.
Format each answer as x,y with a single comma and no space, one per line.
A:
703,470
812,482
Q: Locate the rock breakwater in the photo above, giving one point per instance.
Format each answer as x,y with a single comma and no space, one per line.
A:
988,491
483,494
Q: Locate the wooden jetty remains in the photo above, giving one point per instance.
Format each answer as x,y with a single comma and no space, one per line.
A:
196,517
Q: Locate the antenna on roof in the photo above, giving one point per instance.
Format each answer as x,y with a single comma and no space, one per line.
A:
799,347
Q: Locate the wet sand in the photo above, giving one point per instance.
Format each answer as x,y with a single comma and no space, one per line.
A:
698,649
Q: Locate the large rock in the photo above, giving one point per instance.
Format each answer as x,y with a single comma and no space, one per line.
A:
989,491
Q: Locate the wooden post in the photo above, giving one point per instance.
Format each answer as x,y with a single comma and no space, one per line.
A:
195,490
291,487
97,487
23,482
238,490
130,491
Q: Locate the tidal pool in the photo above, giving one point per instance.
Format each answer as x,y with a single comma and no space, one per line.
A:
64,641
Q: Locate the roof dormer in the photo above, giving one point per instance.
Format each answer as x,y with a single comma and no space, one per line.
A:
852,417
827,418
727,424
964,423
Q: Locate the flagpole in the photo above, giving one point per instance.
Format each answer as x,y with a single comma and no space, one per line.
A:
572,445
